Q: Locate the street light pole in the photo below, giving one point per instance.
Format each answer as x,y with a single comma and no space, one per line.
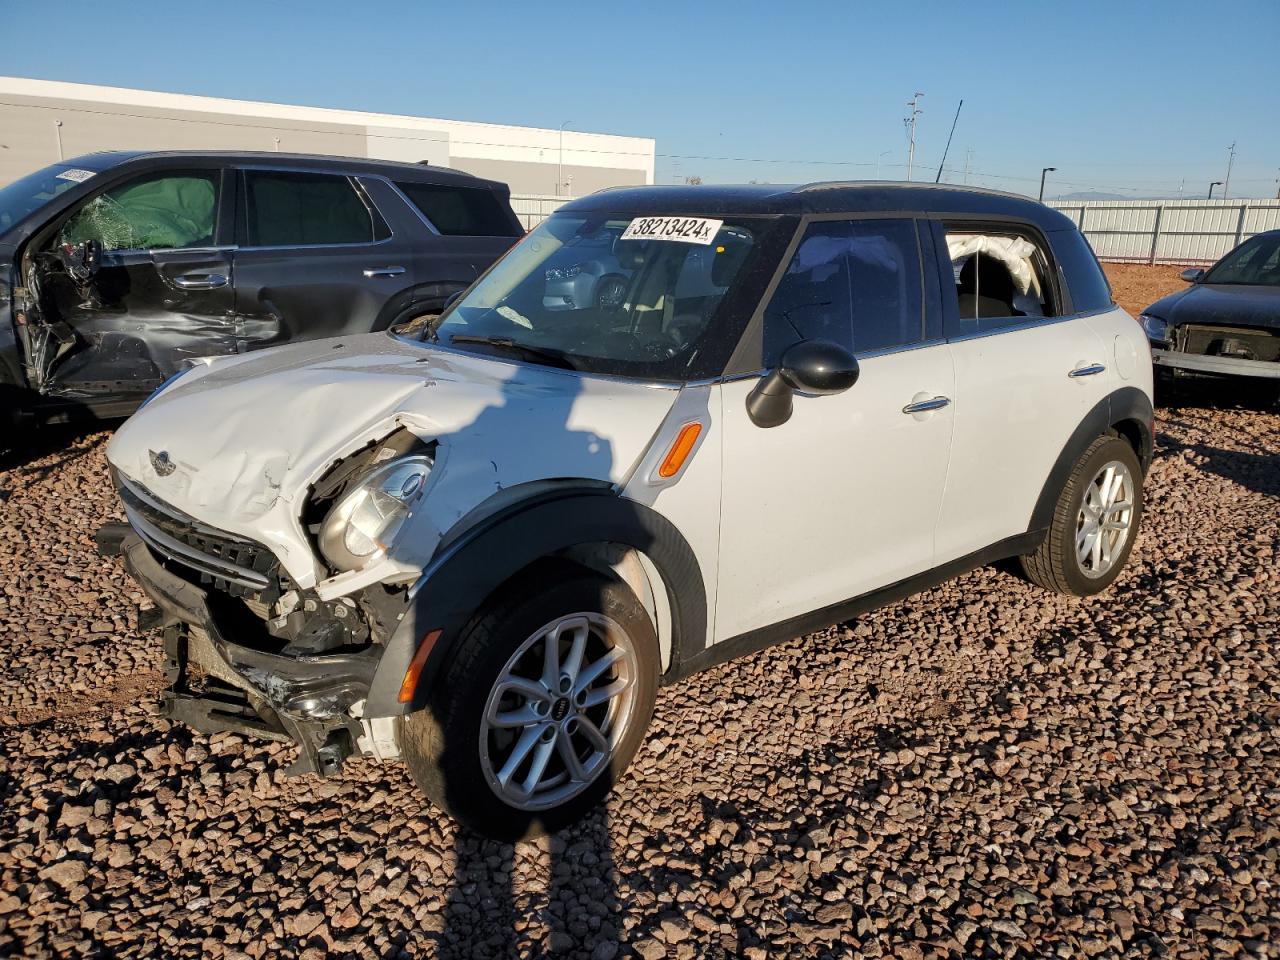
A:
1216,183
560,164
1043,172
878,159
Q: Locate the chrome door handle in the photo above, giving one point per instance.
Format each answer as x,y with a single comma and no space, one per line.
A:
924,406
201,281
1091,370
383,272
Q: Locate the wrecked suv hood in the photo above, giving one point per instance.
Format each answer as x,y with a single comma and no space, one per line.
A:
240,441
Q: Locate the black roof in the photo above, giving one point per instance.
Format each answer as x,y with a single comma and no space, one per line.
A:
110,159
856,196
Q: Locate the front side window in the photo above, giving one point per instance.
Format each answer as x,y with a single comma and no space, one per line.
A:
461,211
1256,261
999,277
286,209
854,282
168,211
578,293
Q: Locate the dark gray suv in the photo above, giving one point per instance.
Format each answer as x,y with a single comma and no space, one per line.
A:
115,268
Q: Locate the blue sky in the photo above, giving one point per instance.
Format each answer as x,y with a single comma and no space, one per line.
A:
1120,98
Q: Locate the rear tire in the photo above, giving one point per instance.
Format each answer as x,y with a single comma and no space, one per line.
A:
500,707
1095,522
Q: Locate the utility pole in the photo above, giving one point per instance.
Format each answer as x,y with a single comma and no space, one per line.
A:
910,121
560,163
1231,158
1278,188
1216,183
878,159
1046,170
968,155
1181,183
57,132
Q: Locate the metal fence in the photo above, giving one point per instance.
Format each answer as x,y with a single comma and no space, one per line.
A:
533,208
1169,231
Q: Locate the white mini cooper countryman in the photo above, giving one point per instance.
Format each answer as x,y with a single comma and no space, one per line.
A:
670,427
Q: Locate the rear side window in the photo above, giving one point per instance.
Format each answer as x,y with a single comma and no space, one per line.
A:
855,282
1089,288
461,211
1001,277
306,209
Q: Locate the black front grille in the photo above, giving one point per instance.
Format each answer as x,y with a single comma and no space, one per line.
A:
234,564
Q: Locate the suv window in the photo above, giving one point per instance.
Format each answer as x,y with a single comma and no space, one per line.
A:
1001,277
167,211
856,282
288,209
1089,287
460,211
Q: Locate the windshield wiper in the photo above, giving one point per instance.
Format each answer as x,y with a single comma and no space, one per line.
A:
555,358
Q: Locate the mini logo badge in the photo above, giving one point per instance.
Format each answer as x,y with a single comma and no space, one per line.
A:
161,463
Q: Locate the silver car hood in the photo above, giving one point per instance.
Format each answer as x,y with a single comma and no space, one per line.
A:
238,442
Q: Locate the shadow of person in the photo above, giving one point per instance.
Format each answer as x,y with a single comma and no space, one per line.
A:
553,895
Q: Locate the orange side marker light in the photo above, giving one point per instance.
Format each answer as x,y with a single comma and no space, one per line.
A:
680,450
419,661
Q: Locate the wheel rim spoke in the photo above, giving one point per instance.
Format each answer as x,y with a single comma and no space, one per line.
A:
518,754
569,755
538,766
599,695
593,671
521,716
592,734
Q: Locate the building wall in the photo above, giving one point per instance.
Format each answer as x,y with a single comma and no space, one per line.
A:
95,118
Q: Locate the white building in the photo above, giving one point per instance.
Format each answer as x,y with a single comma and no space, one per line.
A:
42,121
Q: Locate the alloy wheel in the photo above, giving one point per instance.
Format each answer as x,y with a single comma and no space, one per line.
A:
557,710
1105,520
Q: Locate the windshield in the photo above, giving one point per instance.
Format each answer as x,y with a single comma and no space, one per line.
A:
1255,261
35,190
586,292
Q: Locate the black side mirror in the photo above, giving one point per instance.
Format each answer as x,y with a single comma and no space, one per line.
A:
812,366
1193,275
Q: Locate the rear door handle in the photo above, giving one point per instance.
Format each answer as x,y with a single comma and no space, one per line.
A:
1091,370
924,406
201,281
383,272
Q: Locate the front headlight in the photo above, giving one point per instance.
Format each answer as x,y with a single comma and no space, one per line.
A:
362,525
1156,328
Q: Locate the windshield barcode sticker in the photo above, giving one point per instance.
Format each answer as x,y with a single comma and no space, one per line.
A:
679,229
78,176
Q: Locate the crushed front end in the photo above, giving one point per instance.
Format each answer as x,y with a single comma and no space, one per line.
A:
247,649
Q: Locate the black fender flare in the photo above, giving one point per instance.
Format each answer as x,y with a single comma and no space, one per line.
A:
423,296
1126,404
468,570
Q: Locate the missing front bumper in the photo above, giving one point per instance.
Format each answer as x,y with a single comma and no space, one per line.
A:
1223,366
305,699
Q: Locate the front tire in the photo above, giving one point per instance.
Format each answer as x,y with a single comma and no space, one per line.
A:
544,703
1095,522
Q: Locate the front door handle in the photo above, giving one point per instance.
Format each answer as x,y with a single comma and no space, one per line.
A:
383,272
924,406
201,281
1091,370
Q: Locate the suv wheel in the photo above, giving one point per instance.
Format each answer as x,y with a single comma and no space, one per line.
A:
545,702
1094,522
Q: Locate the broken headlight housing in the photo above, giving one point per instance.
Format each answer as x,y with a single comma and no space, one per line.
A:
363,524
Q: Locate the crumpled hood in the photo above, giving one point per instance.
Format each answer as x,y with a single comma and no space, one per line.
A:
1228,304
240,440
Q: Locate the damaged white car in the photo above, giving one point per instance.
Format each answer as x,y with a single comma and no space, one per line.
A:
481,544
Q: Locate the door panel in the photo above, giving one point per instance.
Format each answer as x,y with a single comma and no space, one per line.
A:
1016,405
316,258
127,328
840,500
